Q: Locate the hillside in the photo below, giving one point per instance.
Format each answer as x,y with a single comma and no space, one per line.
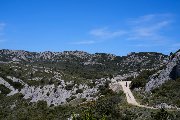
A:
160,88
72,81
84,65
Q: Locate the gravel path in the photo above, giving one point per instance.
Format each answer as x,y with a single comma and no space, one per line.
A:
129,96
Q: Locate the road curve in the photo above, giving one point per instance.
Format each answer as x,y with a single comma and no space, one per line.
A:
129,96
115,86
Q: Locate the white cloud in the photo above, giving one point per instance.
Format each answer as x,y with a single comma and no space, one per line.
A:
149,27
100,35
106,33
150,18
146,45
83,42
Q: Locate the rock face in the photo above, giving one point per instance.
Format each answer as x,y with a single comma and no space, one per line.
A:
178,70
175,73
166,106
172,71
52,94
57,95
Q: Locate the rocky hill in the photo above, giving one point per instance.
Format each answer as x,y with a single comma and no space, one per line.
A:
131,62
72,81
160,87
170,72
59,77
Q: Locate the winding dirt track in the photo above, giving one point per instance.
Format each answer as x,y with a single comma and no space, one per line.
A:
129,96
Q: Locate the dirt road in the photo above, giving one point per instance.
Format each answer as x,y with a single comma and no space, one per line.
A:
129,96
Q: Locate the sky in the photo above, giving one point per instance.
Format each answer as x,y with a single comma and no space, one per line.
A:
104,26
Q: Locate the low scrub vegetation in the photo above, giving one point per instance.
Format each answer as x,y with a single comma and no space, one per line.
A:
141,80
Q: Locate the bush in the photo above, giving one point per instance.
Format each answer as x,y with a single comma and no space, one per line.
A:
162,115
69,86
167,93
104,89
105,108
16,85
141,80
4,89
79,91
41,104
71,98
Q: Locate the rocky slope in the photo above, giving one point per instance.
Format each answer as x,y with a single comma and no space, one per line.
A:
54,85
63,77
172,71
131,62
53,95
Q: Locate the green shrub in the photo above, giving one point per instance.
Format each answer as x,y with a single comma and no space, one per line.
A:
71,98
162,115
4,89
141,80
79,91
69,86
167,93
16,85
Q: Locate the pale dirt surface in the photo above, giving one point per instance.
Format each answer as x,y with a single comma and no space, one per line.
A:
130,97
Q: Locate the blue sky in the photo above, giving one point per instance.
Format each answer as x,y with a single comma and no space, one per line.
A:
110,26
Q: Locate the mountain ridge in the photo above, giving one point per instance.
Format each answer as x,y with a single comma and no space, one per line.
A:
77,78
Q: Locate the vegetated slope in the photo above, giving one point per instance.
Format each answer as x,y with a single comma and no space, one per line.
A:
168,93
172,71
60,77
84,65
160,88
67,79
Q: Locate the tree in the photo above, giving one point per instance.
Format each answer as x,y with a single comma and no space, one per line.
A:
162,115
110,76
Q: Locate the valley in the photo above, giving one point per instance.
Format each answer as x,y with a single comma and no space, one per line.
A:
105,86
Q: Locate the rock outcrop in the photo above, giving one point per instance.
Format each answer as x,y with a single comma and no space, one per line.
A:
172,71
52,94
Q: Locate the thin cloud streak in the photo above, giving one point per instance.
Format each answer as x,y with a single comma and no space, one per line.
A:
150,18
83,42
105,33
147,45
148,29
